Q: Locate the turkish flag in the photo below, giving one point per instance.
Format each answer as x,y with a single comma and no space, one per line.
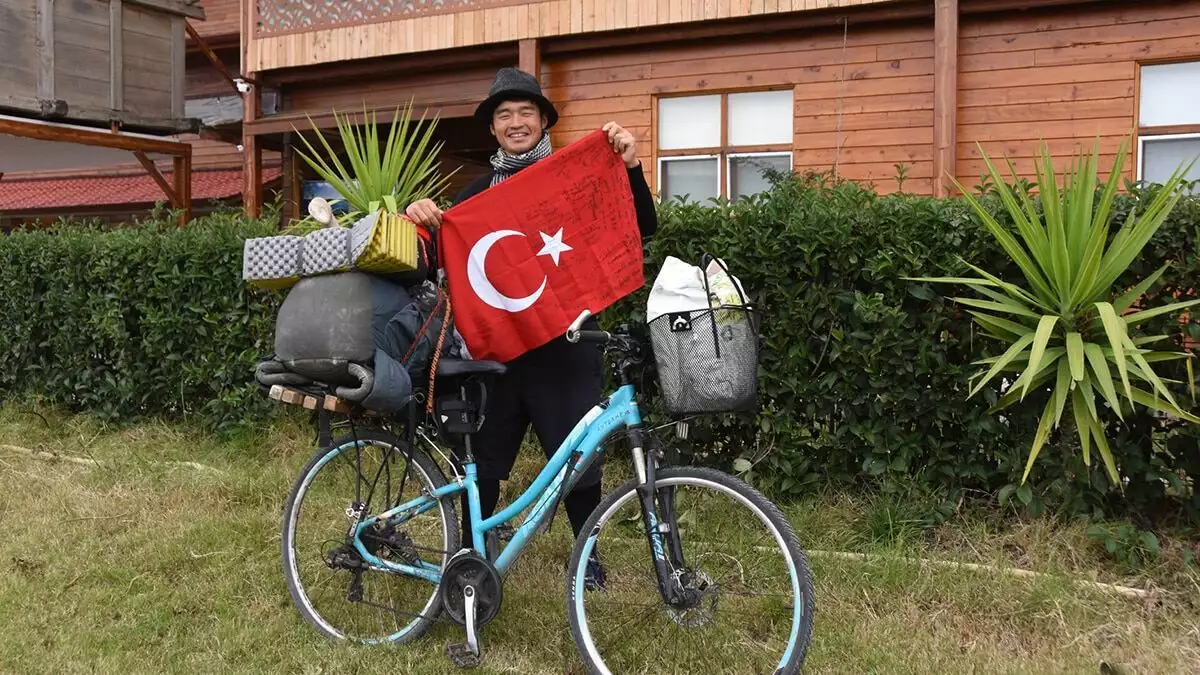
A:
523,258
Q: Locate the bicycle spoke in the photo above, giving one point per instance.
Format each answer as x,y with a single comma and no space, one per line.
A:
359,474
739,597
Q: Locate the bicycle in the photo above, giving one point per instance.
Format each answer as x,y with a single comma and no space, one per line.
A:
465,581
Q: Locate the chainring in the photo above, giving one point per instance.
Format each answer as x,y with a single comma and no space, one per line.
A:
469,568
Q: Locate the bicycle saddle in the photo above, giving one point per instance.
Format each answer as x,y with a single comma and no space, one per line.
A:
459,367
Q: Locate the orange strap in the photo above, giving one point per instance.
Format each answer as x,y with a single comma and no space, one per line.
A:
437,353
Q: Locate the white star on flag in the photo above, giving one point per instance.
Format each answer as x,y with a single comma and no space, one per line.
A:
553,246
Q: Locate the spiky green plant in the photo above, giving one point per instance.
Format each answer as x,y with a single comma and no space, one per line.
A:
404,170
1064,325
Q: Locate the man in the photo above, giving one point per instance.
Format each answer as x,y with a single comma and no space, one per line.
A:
554,385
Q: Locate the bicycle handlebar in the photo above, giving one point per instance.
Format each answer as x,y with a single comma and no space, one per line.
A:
601,336
573,331
575,334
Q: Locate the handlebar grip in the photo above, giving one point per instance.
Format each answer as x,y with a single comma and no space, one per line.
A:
593,336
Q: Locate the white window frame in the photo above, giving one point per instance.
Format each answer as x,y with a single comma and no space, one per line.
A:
725,152
1146,134
1141,149
679,158
729,157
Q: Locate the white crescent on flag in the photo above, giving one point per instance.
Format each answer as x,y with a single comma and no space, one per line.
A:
486,290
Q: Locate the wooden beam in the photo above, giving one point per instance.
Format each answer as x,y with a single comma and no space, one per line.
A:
45,50
211,55
409,64
251,155
945,94
172,193
178,66
116,62
106,139
529,58
102,114
988,6
291,182
172,7
285,122
183,188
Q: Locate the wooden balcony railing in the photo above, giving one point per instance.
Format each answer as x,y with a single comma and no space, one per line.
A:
291,33
280,17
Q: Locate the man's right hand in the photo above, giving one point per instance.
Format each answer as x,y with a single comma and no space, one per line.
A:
424,212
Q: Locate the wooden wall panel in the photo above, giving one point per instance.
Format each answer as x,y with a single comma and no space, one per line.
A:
877,87
460,88
210,154
222,18
19,67
202,79
505,22
1067,77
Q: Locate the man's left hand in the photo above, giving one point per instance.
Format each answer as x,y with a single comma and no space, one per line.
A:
623,143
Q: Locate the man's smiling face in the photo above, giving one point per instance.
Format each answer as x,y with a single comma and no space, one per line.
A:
518,126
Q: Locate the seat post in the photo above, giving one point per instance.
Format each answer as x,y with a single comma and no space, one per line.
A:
468,455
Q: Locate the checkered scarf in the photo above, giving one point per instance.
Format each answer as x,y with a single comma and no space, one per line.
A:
505,165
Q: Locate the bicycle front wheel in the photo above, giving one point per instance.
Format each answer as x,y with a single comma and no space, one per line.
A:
748,583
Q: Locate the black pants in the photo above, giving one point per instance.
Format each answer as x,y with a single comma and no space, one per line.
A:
550,387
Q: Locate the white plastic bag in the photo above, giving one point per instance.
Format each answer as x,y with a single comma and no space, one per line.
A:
725,289
679,287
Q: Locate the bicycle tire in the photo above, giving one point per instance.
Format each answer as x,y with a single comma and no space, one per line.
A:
436,478
766,511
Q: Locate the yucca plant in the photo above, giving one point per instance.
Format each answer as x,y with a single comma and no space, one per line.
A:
404,170
1063,325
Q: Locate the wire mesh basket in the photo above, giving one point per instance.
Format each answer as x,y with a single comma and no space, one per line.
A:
707,359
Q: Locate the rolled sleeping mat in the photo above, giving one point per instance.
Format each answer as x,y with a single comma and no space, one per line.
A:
366,379
271,373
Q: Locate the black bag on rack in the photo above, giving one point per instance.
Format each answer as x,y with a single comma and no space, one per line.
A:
361,333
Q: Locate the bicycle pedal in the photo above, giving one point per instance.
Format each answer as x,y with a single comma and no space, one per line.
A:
460,655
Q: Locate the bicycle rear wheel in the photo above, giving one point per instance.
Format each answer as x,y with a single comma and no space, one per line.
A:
751,607
329,583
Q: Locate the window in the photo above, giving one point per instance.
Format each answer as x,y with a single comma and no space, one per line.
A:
1168,120
717,145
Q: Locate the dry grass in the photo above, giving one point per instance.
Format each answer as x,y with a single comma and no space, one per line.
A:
138,563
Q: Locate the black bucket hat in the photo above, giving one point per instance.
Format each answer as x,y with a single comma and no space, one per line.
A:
513,84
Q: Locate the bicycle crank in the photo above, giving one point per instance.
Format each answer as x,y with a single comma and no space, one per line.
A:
471,594
466,655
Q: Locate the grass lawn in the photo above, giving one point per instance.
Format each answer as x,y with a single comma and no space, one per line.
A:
141,563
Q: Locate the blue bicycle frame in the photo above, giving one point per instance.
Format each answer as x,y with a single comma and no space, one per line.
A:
586,440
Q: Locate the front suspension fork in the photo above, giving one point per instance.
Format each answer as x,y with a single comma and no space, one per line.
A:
658,519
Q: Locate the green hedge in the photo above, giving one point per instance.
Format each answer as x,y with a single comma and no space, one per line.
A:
147,320
863,374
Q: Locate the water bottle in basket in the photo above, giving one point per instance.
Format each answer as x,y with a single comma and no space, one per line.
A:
704,334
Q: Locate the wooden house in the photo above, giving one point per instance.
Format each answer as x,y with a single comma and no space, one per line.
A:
894,92
181,95
897,92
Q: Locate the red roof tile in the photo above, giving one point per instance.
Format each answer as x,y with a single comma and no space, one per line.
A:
38,194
